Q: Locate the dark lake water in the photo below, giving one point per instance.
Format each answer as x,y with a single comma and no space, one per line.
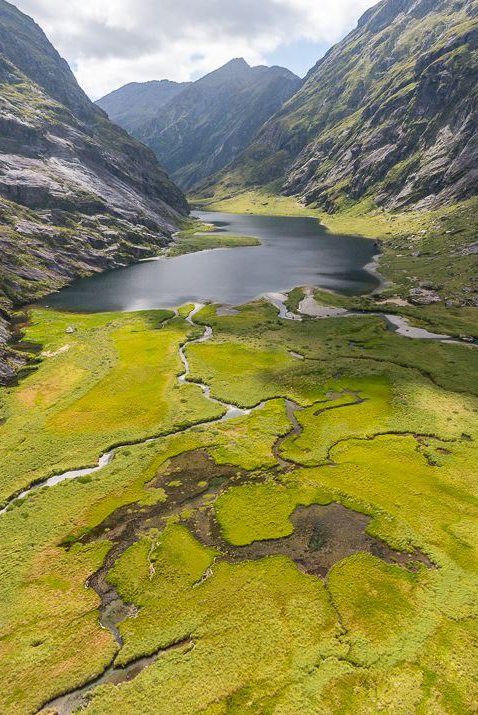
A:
294,252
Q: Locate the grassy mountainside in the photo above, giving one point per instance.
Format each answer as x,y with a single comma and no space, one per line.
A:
137,103
206,125
77,194
387,118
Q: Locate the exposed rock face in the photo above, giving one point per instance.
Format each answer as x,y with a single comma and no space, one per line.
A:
208,123
424,296
389,114
77,194
9,362
136,104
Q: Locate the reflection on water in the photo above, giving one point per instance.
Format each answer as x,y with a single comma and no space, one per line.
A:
294,252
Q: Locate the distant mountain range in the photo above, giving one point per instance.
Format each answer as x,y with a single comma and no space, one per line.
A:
199,128
136,104
389,117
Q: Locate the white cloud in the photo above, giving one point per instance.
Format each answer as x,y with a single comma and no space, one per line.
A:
111,42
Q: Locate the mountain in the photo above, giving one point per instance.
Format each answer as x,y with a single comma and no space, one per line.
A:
388,117
137,103
203,128
77,194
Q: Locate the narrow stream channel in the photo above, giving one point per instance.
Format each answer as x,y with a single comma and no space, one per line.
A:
231,411
308,307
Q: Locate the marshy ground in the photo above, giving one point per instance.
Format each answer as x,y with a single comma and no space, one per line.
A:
315,553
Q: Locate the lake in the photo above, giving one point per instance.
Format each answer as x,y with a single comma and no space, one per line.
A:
294,252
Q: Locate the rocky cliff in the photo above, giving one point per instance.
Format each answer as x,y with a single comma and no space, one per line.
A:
206,125
388,117
77,194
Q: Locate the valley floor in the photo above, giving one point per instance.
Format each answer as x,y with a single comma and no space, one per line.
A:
313,550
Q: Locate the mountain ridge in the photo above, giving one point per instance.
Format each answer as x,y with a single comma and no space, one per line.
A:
206,124
367,110
135,103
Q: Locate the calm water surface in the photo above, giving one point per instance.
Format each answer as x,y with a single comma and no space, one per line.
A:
294,252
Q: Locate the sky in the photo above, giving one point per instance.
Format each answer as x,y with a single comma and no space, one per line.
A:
111,42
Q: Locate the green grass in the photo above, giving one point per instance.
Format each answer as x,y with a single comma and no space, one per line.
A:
259,636
258,202
255,512
206,242
112,381
43,597
399,404
417,246
256,628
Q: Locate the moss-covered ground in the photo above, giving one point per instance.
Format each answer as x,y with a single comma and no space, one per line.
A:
386,427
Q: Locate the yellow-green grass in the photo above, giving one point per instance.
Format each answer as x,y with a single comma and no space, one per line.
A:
254,345
248,441
256,512
256,628
206,242
258,374
398,404
406,625
417,245
113,381
386,620
46,609
267,638
260,203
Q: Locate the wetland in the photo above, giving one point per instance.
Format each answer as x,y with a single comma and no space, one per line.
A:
269,507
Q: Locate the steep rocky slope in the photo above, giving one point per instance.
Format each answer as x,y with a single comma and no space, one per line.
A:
77,194
388,117
137,103
206,125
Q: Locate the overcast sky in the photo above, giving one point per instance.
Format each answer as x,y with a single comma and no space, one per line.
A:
111,42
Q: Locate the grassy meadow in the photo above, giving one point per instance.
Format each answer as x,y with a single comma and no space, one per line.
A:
387,427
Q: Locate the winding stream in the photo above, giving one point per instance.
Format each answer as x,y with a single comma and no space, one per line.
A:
307,307
112,609
122,527
395,323
231,411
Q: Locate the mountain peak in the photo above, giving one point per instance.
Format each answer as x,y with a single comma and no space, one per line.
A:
203,128
237,62
236,67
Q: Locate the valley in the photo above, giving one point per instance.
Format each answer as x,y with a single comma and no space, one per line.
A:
239,427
